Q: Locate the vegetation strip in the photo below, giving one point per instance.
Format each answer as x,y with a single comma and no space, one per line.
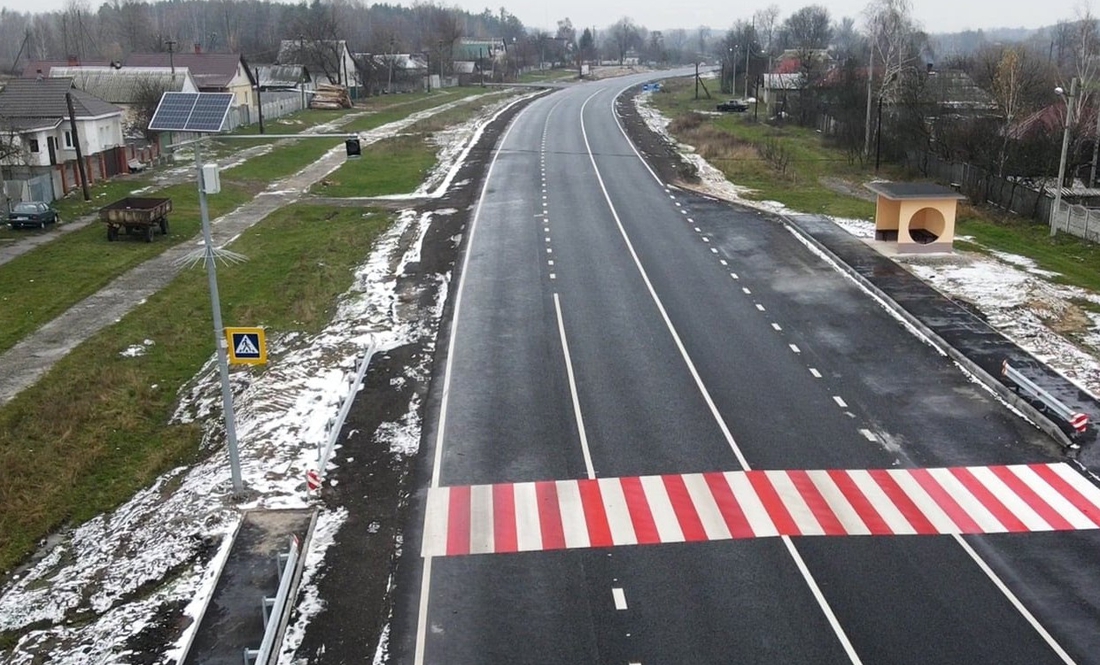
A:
93,430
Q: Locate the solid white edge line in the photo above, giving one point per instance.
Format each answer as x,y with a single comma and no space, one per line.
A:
573,391
426,576
822,602
1047,637
653,294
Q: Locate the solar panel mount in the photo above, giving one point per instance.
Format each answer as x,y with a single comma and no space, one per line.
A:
202,112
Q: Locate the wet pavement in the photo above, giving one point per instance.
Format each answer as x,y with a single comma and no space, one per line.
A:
966,337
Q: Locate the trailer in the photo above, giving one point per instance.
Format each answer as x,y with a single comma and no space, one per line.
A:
137,216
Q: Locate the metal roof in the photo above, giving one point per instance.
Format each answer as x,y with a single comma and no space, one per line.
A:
129,84
45,98
913,190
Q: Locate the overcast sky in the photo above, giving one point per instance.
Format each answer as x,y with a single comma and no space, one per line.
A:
934,15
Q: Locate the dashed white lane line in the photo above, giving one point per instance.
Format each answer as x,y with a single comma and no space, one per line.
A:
868,434
549,250
723,262
840,401
714,249
550,262
553,276
817,374
706,239
759,307
698,230
547,238
794,347
734,275
620,598
776,326
746,291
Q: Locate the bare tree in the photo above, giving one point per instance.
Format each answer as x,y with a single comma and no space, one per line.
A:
767,21
890,29
624,36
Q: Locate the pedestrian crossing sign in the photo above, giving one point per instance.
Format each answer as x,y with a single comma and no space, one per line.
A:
247,346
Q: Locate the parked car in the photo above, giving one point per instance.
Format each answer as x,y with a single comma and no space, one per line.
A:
35,214
733,106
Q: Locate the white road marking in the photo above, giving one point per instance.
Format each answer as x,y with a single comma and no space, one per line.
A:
817,374
734,275
698,230
573,391
547,238
481,519
714,250
706,239
549,250
746,291
868,434
620,598
822,602
794,347
710,516
759,307
840,401
573,524
723,262
776,326
1054,646
660,507
528,528
618,515
549,262
426,577
553,276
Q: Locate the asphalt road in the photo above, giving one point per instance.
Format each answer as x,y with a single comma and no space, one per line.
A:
607,326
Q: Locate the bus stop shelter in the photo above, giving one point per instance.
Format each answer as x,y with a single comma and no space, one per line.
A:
919,216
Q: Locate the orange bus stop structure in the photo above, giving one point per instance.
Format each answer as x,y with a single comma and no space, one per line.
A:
919,216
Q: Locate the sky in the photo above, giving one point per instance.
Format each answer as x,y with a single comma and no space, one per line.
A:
934,15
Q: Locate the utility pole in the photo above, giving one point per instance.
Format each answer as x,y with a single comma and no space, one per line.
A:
1065,149
171,60
696,79
80,155
259,102
870,77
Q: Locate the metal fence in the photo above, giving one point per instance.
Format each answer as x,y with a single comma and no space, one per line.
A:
981,186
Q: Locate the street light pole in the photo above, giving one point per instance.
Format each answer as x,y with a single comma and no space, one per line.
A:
1065,149
219,332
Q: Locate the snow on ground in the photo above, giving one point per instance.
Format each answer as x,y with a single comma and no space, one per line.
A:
1011,292
103,583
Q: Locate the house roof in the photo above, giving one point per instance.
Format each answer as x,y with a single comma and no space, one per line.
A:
129,84
403,61
954,88
34,68
210,70
45,99
912,190
282,76
1052,120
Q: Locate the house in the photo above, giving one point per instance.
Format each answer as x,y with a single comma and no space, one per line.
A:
329,60
136,90
213,72
955,93
394,72
34,116
778,90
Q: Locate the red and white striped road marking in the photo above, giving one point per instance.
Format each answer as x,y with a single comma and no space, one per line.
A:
606,512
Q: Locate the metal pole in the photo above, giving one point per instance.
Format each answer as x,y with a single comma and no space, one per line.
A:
1062,161
878,135
219,333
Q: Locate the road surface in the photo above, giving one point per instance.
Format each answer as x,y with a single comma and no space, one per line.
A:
665,431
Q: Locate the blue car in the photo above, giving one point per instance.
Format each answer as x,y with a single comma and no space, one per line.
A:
35,214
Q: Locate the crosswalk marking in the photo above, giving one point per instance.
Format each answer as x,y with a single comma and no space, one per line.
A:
644,510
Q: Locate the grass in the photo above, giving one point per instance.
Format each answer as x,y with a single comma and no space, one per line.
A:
393,166
735,144
39,285
399,164
548,75
385,113
94,429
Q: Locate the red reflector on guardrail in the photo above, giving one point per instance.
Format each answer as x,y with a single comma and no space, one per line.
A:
1080,421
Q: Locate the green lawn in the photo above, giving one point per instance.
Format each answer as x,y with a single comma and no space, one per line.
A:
393,166
41,284
409,104
94,429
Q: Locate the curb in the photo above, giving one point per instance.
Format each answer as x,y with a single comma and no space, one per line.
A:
186,650
990,382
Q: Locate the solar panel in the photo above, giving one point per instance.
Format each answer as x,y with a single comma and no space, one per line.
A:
191,112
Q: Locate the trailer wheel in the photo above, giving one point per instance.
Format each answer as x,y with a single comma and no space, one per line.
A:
164,226
149,233
112,233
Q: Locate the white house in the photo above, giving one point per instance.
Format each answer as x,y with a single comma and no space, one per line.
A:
136,90
34,116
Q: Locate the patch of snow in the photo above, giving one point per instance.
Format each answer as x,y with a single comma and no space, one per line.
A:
310,603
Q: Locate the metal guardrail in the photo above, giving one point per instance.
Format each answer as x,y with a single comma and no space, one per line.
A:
1078,422
274,608
334,425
